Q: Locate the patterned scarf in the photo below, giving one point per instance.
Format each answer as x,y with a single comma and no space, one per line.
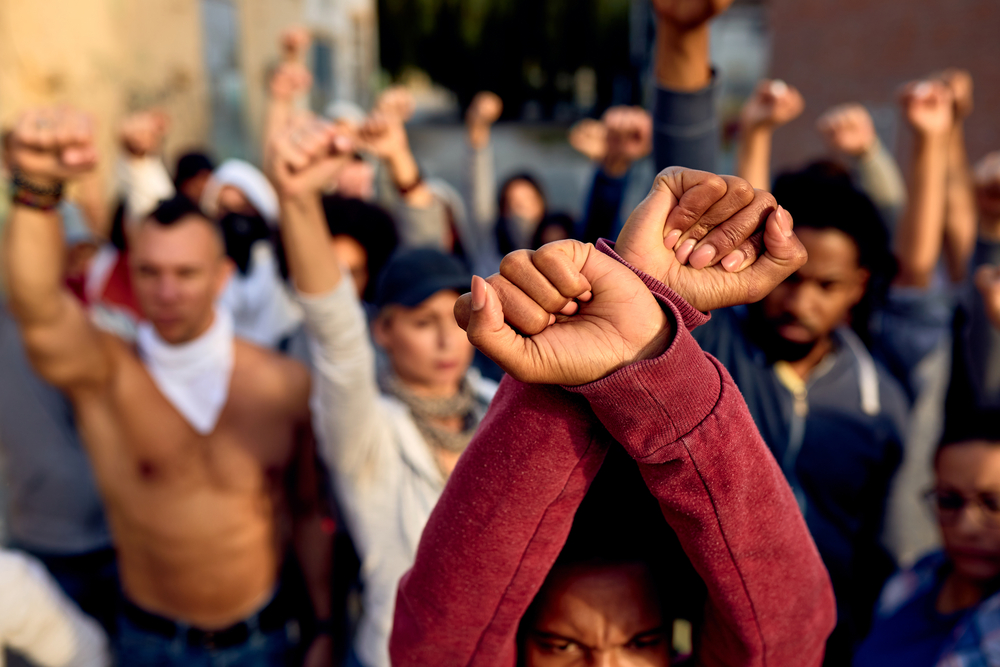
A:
428,411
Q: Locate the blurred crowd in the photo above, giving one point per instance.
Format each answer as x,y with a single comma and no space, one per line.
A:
266,415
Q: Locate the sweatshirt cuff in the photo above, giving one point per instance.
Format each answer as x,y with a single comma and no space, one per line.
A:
686,114
678,389
686,313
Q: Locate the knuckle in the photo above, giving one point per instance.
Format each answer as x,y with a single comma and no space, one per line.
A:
741,190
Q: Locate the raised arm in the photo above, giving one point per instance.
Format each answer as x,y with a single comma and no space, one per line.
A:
508,507
49,147
771,105
849,131
960,206
685,127
927,106
481,186
303,158
627,136
288,87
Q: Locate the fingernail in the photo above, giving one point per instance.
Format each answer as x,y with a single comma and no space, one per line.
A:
478,293
671,239
702,257
685,250
733,260
784,221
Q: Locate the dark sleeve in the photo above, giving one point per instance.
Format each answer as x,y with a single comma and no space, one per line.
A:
686,129
497,529
976,366
603,207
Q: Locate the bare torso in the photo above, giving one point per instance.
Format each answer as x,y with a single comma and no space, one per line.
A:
200,522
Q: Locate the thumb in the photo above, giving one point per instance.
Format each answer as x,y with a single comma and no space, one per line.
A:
481,315
784,255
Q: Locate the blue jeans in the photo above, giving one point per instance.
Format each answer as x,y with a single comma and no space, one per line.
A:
135,647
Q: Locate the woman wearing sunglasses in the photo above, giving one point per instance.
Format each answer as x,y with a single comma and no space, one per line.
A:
945,611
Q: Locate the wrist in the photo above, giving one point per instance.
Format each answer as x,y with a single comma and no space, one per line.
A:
36,192
479,135
403,170
615,166
682,57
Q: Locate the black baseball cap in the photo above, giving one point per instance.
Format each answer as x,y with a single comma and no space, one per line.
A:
414,275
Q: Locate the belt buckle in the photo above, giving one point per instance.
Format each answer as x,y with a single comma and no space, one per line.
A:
208,640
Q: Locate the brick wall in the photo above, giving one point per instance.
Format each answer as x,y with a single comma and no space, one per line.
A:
861,50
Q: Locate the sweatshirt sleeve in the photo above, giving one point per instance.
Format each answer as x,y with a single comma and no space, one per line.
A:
686,128
353,436
681,417
497,529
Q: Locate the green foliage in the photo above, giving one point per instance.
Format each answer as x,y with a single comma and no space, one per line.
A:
521,49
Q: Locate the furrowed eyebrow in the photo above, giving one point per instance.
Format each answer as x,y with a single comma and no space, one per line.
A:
552,636
661,631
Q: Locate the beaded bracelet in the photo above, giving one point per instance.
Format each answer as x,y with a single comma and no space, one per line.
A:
26,193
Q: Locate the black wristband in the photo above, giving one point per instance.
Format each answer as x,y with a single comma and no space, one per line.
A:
324,627
405,190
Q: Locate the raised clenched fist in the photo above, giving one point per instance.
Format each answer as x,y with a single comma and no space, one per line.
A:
848,129
583,315
959,81
589,137
295,42
986,179
689,13
988,283
142,133
396,102
290,81
629,137
484,110
712,239
929,107
51,146
305,158
772,104
383,135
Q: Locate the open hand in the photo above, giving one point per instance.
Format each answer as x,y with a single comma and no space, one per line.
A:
51,146
584,314
848,129
728,217
772,104
929,107
306,157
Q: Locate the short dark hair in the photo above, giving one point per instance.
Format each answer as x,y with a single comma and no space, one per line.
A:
370,225
190,165
822,196
620,522
972,425
169,211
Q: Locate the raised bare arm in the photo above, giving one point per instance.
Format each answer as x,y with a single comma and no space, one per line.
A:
927,106
48,147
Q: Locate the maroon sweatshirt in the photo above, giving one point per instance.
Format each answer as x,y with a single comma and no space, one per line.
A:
507,510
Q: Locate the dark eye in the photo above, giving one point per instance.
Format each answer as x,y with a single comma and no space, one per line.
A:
990,502
950,502
828,285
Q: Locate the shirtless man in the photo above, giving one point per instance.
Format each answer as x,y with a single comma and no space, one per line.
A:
203,496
